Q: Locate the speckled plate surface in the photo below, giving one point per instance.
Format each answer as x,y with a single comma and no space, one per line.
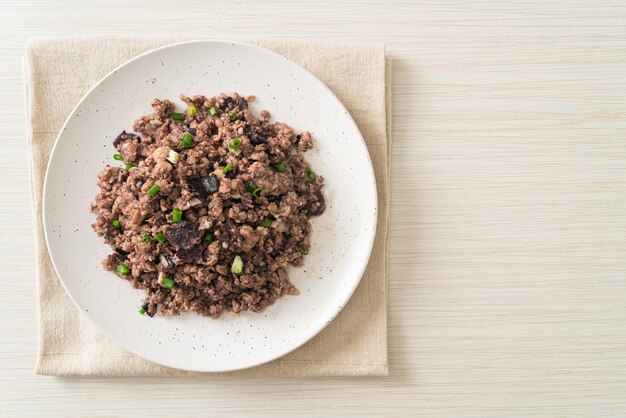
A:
342,237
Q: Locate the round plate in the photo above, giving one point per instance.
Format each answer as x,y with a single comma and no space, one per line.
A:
342,237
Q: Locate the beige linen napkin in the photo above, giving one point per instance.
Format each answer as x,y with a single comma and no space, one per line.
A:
58,72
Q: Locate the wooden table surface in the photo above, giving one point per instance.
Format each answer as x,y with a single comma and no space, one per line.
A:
507,287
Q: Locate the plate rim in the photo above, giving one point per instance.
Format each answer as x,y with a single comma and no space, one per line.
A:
373,201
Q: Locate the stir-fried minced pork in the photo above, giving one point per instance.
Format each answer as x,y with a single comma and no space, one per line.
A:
208,206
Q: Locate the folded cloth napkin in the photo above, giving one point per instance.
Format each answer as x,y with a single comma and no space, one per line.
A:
58,72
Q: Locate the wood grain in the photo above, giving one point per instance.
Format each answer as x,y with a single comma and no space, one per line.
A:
508,270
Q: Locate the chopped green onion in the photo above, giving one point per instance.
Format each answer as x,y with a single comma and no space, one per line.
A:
142,311
304,249
178,116
227,168
280,167
233,117
235,145
154,190
123,269
266,223
129,166
160,237
177,215
310,174
169,283
208,238
194,201
118,157
173,156
145,239
263,267
116,223
187,141
213,111
305,211
192,110
237,266
255,191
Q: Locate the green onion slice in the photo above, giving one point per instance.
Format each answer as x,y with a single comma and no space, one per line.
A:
192,110
154,190
227,168
160,237
213,111
280,167
237,266
187,141
178,116
145,239
266,223
255,191
142,311
116,223
304,249
129,166
263,267
235,145
208,238
233,117
311,174
123,269
118,157
173,156
177,215
168,282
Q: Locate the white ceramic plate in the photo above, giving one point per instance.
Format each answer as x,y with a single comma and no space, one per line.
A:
342,237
